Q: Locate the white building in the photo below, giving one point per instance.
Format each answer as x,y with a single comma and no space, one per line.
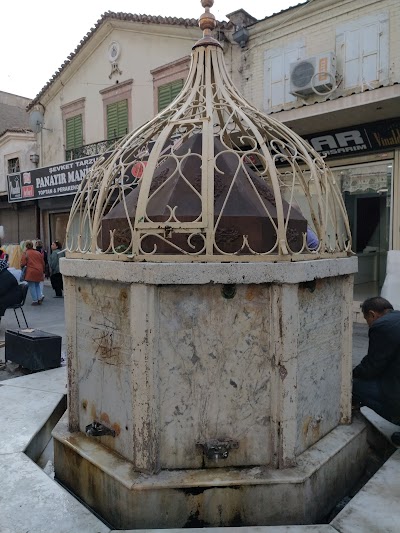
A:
17,144
331,71
112,83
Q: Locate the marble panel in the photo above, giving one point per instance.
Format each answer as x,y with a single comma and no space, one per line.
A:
103,353
215,373
319,361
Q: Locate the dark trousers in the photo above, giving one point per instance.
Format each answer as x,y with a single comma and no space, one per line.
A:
368,392
57,283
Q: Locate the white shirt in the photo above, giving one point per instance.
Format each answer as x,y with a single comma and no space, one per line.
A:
15,272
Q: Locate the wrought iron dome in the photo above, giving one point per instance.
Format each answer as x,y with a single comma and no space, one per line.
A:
210,178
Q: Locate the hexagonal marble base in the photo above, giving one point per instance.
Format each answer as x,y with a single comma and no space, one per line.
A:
210,497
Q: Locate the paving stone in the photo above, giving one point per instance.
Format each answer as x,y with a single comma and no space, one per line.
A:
31,502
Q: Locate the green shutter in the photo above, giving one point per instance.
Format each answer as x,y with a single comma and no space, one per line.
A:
117,119
167,93
73,132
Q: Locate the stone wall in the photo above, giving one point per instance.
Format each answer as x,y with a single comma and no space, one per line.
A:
173,356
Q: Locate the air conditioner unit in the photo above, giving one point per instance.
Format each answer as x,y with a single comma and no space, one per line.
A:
313,75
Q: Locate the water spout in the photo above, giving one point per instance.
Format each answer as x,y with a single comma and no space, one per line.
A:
216,449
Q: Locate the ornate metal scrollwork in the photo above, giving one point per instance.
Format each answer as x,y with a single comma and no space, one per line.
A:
210,178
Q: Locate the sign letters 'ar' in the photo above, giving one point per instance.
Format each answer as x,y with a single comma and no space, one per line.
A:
365,138
347,141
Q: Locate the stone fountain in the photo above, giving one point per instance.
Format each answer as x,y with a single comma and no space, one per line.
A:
209,342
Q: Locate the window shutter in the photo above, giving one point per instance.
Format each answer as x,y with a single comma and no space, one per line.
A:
370,52
277,73
168,92
117,119
176,87
383,65
122,118
362,48
352,58
276,80
290,56
73,132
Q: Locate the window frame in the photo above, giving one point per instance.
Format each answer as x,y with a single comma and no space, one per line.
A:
17,159
285,53
359,25
168,73
110,95
71,110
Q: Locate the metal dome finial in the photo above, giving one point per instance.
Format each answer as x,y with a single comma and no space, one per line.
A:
207,20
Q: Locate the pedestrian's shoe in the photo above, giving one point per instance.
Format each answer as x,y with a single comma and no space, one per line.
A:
41,299
35,303
396,438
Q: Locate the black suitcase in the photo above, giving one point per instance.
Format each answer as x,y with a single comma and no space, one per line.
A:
34,350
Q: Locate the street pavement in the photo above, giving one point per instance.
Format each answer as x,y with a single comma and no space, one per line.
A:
47,317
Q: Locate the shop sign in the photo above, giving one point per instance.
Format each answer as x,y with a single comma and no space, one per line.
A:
57,180
365,138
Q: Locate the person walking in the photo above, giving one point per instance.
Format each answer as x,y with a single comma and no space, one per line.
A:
42,251
54,263
34,263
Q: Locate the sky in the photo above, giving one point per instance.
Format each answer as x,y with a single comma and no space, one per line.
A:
37,36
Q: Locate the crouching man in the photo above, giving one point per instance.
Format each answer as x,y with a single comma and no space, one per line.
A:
376,380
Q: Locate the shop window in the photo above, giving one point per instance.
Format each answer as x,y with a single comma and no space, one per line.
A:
362,49
168,92
117,119
277,73
74,132
366,191
13,165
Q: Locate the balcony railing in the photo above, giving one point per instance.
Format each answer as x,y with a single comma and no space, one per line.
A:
89,150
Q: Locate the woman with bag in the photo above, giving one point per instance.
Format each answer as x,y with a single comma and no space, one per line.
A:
34,263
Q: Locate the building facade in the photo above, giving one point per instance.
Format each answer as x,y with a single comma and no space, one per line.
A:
330,70
107,87
17,152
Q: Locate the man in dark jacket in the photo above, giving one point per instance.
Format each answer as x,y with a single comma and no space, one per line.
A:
376,380
10,292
